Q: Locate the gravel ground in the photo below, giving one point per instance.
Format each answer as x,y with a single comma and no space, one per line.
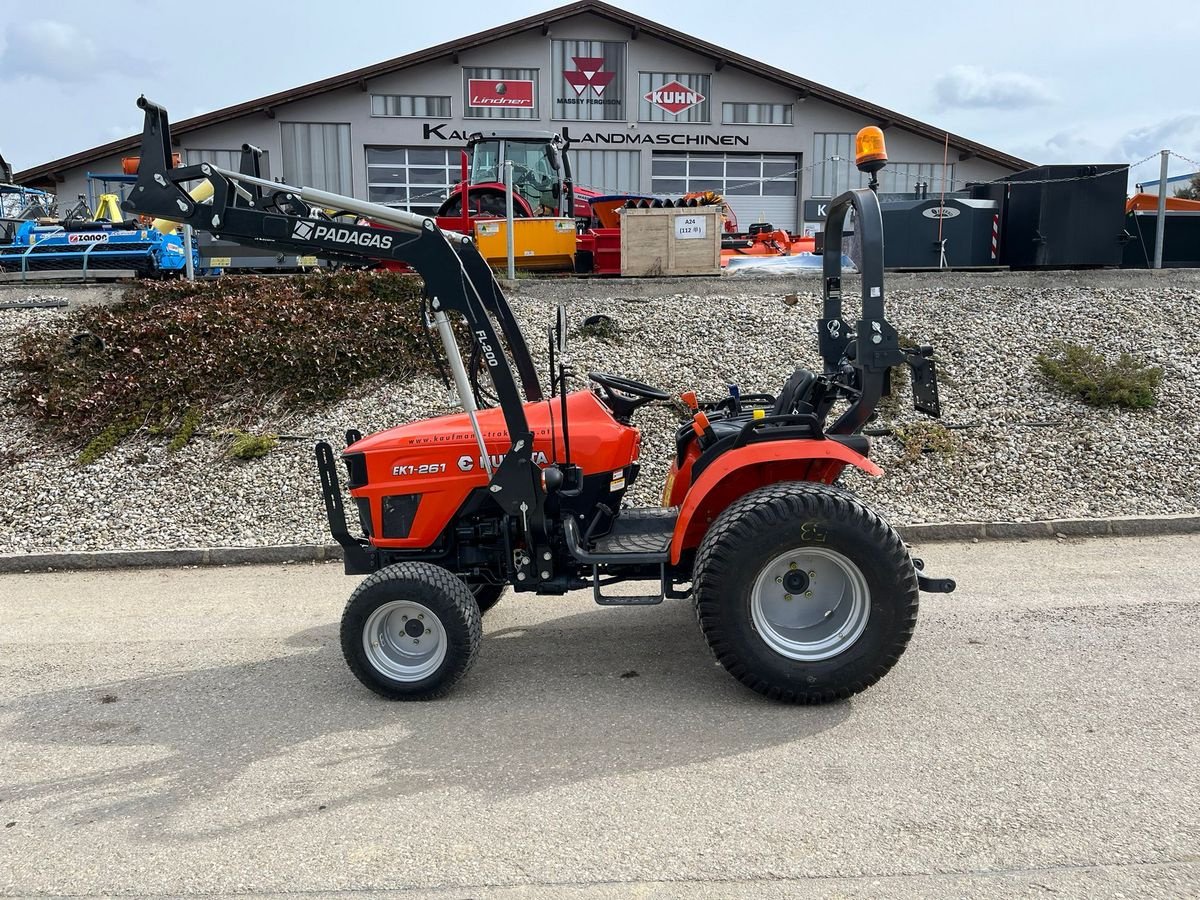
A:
1023,452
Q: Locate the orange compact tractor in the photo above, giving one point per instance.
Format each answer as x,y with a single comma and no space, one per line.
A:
804,593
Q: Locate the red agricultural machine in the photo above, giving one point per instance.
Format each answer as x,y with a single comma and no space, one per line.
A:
803,592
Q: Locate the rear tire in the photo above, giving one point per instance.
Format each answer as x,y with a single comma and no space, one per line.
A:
804,593
410,631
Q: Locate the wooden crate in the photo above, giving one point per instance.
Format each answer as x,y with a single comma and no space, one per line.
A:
671,241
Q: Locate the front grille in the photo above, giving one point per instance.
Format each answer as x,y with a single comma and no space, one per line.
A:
399,510
356,468
364,515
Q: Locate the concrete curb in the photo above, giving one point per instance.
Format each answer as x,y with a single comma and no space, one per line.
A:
925,533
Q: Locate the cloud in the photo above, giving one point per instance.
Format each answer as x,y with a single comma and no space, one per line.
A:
971,87
1178,133
59,52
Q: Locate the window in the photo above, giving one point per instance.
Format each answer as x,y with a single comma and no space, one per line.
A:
410,105
833,176
588,80
759,187
607,171
317,154
694,92
226,159
903,178
414,178
512,96
756,113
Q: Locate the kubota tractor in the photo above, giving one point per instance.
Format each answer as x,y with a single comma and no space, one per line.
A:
804,593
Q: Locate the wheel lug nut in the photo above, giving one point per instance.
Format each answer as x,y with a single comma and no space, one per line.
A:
779,579
792,565
404,618
812,574
421,616
416,640
808,593
787,596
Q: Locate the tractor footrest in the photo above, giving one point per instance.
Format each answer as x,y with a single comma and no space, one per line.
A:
628,600
639,531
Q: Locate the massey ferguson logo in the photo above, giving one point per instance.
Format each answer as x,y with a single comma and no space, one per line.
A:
305,230
513,93
589,73
674,97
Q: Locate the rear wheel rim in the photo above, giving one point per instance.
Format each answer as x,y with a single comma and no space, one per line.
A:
810,604
404,640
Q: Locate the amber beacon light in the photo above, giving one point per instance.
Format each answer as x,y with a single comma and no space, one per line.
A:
870,153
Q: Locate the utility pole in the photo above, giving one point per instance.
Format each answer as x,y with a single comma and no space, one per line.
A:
188,239
1160,227
508,215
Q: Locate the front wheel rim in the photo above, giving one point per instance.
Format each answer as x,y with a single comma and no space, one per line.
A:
810,604
404,640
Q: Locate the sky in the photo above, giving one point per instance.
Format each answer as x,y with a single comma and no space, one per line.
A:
1052,81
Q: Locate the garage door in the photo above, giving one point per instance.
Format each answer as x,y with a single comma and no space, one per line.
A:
760,187
414,178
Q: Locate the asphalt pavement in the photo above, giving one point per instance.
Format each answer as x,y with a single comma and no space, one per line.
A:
196,733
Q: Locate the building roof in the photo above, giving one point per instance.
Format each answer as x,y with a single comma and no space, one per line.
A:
637,25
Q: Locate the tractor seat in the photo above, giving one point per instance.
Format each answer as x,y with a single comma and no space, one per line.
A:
795,391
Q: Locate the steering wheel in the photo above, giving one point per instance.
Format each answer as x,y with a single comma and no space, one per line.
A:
624,395
531,178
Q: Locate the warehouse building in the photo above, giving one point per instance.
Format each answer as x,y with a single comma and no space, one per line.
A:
647,109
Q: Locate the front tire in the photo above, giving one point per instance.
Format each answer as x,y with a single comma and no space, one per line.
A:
410,631
804,593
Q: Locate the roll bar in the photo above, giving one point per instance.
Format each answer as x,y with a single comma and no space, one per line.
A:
872,347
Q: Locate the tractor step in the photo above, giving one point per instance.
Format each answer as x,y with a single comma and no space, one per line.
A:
628,600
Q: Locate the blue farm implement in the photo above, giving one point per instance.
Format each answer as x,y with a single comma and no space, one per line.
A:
88,249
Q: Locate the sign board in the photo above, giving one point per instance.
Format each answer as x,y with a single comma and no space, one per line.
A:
484,93
690,227
816,210
673,98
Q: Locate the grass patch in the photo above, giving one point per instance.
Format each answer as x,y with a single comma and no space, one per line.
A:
1083,373
248,446
926,438
173,354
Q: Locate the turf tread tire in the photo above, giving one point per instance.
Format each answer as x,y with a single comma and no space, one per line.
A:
440,590
721,567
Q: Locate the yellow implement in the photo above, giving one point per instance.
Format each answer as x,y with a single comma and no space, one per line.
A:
538,244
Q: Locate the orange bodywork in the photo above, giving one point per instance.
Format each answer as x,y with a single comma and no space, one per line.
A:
1149,203
440,460
739,471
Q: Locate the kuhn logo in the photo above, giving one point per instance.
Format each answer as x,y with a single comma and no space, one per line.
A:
588,73
88,237
305,230
674,97
940,212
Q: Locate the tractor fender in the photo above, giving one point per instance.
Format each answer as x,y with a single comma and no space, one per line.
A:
742,470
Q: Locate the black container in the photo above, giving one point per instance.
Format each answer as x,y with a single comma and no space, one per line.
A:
1181,240
1077,220
916,231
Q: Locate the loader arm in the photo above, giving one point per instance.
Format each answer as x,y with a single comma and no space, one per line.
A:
253,211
